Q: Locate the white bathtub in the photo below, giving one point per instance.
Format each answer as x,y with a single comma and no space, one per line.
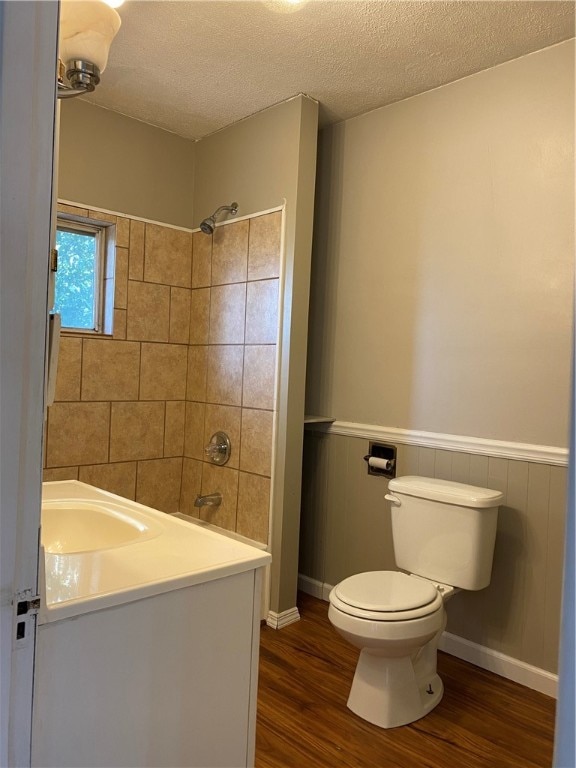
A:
147,644
163,553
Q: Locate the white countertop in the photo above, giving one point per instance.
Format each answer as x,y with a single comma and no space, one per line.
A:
173,554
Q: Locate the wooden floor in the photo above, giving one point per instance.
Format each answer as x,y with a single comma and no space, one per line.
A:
483,721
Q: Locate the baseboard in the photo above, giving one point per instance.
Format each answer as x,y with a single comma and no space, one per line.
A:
313,587
493,661
505,666
283,619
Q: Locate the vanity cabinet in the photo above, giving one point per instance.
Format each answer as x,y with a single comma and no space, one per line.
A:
169,680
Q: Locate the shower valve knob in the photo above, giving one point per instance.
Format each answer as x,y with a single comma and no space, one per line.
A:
218,449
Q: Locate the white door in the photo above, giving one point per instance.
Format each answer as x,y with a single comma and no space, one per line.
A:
28,45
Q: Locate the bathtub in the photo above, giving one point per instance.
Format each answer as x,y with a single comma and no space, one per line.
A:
147,642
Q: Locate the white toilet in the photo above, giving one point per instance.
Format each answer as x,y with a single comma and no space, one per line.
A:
443,536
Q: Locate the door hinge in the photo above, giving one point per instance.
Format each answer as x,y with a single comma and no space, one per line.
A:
54,260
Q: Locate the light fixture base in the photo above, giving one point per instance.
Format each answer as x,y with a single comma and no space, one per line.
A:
82,76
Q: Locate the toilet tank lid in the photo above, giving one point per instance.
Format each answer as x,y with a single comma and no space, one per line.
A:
446,491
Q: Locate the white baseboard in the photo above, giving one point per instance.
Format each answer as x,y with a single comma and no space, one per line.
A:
281,620
313,587
493,661
505,666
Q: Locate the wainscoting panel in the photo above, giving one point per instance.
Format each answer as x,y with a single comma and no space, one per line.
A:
346,529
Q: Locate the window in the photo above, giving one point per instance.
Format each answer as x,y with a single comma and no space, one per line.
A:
80,287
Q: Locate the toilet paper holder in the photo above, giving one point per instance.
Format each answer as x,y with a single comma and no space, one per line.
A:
381,460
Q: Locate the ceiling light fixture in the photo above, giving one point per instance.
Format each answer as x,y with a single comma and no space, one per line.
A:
87,28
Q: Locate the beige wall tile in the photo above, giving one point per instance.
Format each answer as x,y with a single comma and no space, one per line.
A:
167,256
179,315
262,312
200,316
69,369
174,428
101,216
60,473
230,253
227,314
197,373
117,478
224,418
191,486
78,433
194,431
225,481
264,246
119,328
252,518
110,369
258,389
136,252
73,209
121,278
201,259
256,442
148,311
158,484
224,384
163,372
122,231
136,431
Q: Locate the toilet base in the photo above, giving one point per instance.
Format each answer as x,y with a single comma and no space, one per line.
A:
387,692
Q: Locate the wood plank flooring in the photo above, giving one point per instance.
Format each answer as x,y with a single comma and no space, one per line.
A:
483,720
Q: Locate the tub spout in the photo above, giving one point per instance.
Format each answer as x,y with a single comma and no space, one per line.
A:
211,500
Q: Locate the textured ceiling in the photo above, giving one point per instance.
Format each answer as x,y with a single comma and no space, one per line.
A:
195,66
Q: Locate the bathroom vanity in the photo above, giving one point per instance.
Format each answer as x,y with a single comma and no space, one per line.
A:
147,644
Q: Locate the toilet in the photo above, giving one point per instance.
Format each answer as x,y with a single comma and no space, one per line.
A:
444,534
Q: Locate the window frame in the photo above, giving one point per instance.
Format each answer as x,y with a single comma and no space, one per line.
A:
104,232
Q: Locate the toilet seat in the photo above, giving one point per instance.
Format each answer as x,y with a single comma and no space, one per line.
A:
386,596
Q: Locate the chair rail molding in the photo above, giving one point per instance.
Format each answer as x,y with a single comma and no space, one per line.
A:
539,454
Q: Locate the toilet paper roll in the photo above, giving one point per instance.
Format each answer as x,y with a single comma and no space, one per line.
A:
378,463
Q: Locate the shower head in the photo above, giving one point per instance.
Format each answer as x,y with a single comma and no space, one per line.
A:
208,225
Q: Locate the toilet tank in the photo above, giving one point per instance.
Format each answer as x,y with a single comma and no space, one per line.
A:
444,531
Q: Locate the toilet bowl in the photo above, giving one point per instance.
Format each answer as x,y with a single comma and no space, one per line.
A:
443,534
391,617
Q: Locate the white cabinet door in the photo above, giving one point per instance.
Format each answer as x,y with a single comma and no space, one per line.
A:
165,681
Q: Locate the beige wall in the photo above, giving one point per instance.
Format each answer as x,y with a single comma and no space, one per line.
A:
107,160
443,258
346,528
260,163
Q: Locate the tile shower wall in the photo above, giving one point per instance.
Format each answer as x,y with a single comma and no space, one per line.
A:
346,529
193,352
231,371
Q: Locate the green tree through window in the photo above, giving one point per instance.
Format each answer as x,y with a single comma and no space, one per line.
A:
76,279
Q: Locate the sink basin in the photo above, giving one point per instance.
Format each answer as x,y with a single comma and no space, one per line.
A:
72,527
